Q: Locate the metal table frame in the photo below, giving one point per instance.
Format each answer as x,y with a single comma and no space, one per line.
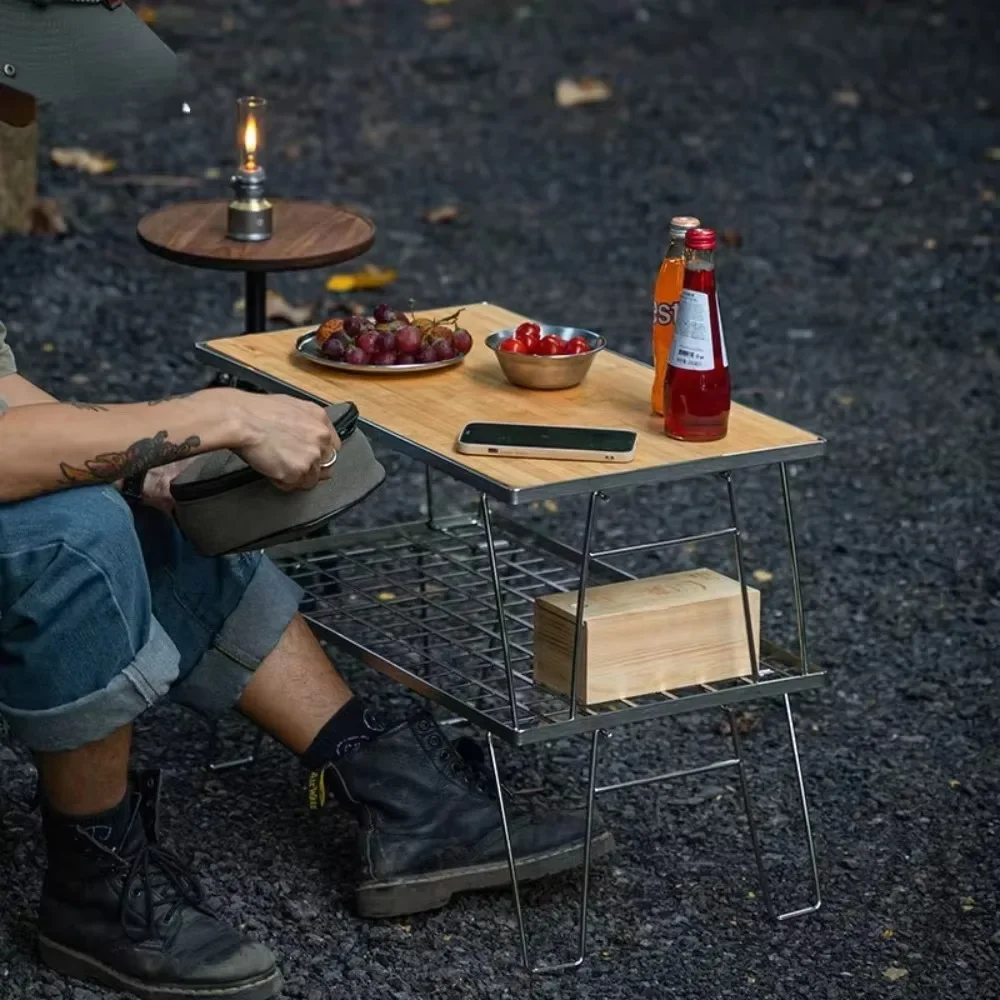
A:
443,606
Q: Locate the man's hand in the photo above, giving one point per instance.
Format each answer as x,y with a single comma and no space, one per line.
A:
156,488
288,440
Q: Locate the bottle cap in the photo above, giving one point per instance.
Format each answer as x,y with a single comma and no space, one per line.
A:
700,239
680,224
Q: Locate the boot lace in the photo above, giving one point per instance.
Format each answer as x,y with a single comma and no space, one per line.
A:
470,760
163,881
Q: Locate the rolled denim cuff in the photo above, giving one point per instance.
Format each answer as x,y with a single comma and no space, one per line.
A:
98,714
247,636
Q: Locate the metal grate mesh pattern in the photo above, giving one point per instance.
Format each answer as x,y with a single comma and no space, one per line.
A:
418,603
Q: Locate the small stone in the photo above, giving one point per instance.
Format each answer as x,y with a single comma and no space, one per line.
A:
300,910
79,993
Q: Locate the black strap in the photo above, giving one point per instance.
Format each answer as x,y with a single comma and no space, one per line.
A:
132,489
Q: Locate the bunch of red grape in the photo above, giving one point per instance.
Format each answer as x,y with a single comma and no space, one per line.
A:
390,337
528,339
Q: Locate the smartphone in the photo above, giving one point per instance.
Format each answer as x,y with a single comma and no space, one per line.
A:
583,444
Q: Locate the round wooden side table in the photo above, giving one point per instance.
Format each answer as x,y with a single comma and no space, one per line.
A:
306,235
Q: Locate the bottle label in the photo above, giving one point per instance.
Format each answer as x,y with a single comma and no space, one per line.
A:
692,344
664,313
722,336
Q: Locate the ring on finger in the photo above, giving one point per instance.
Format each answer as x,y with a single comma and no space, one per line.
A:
332,461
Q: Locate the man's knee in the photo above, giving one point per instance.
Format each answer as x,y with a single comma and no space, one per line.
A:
77,633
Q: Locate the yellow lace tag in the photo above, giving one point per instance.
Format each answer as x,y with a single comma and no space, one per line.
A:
317,789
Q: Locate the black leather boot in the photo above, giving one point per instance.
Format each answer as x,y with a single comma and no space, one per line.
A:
430,823
128,914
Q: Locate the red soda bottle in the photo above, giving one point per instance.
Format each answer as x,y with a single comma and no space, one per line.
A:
697,388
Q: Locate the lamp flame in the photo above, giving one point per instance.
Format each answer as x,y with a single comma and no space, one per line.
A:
250,143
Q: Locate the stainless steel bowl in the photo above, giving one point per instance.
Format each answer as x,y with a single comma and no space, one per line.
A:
557,371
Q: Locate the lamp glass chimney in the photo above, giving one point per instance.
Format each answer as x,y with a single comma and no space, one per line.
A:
251,118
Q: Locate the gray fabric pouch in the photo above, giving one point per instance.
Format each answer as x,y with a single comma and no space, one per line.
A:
223,506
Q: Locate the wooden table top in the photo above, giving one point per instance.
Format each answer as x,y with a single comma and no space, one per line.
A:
423,415
306,234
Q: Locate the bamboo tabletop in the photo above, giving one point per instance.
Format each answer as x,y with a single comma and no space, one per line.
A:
423,415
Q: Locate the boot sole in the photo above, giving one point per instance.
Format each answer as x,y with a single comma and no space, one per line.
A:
418,893
76,965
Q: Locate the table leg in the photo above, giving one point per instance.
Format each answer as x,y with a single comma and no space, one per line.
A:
255,301
255,321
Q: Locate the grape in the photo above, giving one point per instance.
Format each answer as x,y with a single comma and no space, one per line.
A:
442,333
443,350
462,341
426,355
385,358
356,356
354,326
408,339
387,342
333,349
369,342
383,314
405,359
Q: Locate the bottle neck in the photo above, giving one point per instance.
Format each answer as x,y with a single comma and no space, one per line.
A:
675,248
699,260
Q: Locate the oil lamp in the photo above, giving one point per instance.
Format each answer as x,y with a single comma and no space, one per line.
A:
250,213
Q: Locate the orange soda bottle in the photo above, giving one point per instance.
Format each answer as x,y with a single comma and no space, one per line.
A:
669,283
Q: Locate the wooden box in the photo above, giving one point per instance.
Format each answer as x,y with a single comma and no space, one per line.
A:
642,636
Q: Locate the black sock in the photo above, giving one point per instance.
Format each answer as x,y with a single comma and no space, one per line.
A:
352,726
107,828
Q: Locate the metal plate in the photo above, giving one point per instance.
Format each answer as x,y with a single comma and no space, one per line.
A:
307,347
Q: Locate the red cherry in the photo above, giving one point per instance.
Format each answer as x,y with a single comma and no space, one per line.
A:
528,330
578,345
529,339
513,346
551,346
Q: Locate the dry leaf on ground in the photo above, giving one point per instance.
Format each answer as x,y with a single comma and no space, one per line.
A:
846,98
47,218
368,278
894,973
730,238
443,213
550,505
83,159
585,90
763,575
145,13
440,21
746,722
278,307
993,153
437,3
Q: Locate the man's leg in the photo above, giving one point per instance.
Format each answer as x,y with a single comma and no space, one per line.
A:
91,779
81,656
430,823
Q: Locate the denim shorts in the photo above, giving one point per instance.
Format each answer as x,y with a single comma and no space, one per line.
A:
103,611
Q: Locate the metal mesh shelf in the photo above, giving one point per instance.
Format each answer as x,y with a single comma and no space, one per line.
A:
416,601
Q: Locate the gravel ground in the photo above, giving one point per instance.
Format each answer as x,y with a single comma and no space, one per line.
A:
848,145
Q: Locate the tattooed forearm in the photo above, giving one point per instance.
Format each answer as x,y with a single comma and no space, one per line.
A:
95,407
139,457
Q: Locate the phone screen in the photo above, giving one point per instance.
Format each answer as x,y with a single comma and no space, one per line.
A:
540,436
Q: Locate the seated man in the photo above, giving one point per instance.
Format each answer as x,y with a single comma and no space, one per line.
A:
105,609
